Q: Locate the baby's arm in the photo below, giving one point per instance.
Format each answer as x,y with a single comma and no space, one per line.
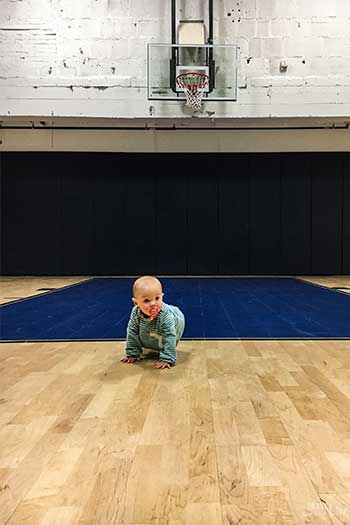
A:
133,344
168,332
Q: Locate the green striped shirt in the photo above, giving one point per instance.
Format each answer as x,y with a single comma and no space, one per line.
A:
161,333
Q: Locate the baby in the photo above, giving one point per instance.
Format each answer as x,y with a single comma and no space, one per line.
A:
153,324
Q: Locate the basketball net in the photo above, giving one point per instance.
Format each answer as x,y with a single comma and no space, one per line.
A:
193,84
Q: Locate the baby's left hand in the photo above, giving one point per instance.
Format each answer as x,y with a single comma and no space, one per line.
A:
162,364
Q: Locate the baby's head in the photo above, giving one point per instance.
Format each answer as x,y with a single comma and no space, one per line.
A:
148,295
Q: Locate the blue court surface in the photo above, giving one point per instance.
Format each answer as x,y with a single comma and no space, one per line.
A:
215,308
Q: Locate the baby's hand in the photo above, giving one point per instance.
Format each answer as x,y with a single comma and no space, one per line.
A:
128,359
162,364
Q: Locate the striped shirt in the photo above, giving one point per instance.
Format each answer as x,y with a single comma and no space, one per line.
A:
161,333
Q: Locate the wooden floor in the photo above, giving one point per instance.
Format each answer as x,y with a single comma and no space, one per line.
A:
239,432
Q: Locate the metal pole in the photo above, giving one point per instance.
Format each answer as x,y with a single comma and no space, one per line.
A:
211,54
173,60
210,38
173,22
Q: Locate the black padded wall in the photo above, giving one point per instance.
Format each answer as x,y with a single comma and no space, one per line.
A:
265,215
327,212
76,199
129,214
110,215
202,224
31,215
171,223
233,216
1,219
296,213
346,218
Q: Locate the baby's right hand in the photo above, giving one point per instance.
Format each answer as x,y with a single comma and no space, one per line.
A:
128,359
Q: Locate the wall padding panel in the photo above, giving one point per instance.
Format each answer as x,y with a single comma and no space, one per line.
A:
175,214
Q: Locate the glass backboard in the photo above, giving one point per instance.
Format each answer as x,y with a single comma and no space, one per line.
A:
166,61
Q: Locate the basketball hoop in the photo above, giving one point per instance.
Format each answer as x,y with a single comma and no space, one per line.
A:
193,83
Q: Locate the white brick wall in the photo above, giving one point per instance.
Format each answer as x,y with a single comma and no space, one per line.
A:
88,57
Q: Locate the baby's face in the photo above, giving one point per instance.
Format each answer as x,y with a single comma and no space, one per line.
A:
149,299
